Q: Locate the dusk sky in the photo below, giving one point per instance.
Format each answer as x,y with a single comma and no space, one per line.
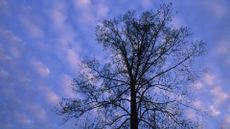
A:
43,41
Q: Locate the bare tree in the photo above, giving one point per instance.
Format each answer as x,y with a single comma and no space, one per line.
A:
146,81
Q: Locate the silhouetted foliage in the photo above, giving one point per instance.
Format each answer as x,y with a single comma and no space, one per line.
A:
145,82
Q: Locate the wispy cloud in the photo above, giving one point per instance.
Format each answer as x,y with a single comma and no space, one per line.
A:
82,3
40,68
219,95
50,96
217,8
90,12
4,74
214,111
66,86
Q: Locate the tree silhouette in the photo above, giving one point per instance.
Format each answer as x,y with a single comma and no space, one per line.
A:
146,81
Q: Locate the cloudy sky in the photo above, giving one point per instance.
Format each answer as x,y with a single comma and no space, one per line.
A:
43,41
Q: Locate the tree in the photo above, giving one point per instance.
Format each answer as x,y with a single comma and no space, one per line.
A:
146,81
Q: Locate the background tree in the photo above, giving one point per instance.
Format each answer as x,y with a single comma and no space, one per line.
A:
146,81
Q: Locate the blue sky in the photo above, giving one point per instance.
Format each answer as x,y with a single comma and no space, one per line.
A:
43,41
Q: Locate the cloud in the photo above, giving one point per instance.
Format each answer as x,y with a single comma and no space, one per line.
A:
193,115
67,47
215,88
40,68
15,52
12,47
23,118
222,52
227,61
223,47
72,57
32,22
50,96
58,15
102,10
214,111
198,85
198,104
177,22
84,9
219,95
209,79
38,111
4,7
66,86
226,122
210,87
89,13
227,119
82,3
34,30
217,8
4,73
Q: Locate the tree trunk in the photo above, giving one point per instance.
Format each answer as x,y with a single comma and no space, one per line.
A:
133,105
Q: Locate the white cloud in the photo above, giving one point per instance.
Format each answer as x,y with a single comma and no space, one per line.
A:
210,96
226,122
15,52
15,46
72,57
223,47
227,119
31,24
87,18
58,16
35,31
4,7
38,111
198,85
217,8
219,95
190,113
67,47
222,50
227,61
66,85
24,119
89,13
15,40
177,22
4,73
102,10
209,79
84,8
3,54
82,3
50,95
40,68
198,104
214,111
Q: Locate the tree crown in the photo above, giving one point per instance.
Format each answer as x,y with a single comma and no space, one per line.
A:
150,63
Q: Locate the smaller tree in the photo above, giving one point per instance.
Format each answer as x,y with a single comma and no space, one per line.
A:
145,83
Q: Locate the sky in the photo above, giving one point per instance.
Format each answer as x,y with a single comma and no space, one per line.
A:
43,41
